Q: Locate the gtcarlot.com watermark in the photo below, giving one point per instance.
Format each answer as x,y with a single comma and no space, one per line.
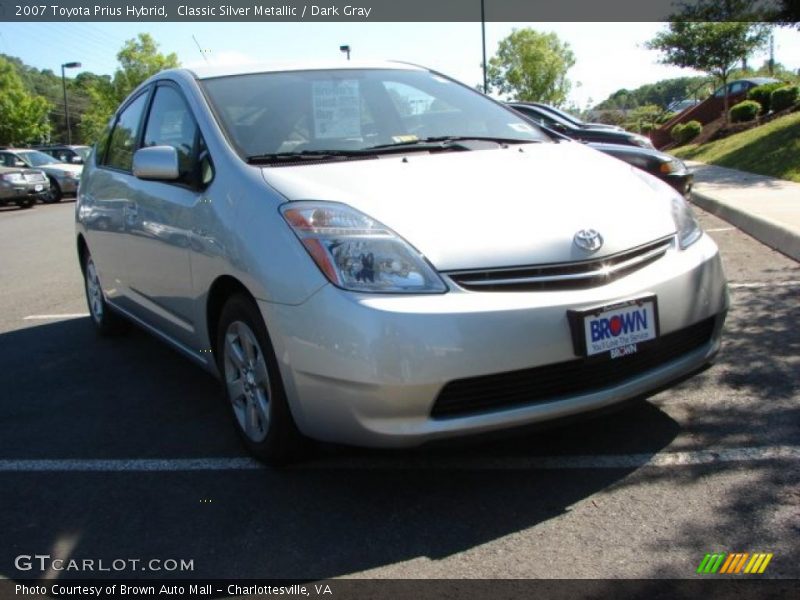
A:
45,563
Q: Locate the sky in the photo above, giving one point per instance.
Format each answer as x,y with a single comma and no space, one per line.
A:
609,56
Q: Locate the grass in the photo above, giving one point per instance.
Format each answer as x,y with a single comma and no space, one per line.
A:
772,149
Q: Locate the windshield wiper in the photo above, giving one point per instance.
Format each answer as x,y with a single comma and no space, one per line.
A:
304,155
445,141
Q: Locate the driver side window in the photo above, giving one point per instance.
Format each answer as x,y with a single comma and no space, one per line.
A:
171,124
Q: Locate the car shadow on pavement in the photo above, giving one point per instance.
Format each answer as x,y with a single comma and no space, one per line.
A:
68,394
757,388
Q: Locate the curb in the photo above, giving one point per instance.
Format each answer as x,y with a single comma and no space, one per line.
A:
773,234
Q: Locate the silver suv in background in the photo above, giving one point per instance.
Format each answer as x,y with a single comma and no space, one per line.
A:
379,255
64,177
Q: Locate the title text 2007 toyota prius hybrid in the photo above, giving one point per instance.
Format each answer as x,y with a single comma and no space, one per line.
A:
379,255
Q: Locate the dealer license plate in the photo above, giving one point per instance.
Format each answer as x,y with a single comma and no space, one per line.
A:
617,330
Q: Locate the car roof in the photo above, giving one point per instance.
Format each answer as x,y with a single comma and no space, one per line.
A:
209,71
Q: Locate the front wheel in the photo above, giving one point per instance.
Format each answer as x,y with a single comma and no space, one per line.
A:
253,386
105,320
54,194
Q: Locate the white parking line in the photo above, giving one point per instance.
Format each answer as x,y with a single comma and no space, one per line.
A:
610,461
55,317
720,229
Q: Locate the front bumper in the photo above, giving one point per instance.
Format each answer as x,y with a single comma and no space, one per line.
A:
13,192
367,369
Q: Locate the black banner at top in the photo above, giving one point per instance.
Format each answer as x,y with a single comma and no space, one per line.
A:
377,10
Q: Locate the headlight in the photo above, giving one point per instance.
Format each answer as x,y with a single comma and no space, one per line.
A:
642,141
71,175
14,178
358,253
688,228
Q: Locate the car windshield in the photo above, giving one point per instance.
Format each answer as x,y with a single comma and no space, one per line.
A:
355,110
36,158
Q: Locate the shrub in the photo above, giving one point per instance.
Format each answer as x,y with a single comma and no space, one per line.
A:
763,93
744,111
667,116
785,97
686,132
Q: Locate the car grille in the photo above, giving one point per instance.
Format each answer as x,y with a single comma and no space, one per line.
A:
563,276
551,382
35,177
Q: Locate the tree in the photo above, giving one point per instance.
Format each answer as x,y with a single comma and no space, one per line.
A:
23,116
139,59
532,66
715,48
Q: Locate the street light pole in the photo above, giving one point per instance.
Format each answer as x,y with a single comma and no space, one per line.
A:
69,65
483,42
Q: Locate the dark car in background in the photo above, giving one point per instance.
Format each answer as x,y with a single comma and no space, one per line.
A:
550,120
662,165
73,154
22,187
573,119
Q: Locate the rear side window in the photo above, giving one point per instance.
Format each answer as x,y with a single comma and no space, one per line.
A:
123,137
172,124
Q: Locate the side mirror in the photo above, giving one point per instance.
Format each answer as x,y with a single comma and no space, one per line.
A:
156,162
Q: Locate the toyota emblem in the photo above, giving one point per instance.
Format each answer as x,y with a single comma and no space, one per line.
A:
589,240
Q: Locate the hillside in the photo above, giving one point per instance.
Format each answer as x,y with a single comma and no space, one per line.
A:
772,149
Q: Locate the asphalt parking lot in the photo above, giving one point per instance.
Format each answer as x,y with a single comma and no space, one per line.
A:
122,449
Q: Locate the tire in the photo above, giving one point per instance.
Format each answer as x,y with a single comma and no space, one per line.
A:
54,194
253,386
105,320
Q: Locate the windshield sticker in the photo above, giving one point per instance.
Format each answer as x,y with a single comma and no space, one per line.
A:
521,127
399,139
337,109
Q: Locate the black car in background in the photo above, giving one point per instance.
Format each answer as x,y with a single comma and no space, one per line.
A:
552,121
662,165
572,118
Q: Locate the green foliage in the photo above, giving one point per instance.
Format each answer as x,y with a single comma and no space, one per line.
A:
712,47
665,117
763,93
643,119
23,115
785,97
139,59
661,93
745,111
532,66
683,133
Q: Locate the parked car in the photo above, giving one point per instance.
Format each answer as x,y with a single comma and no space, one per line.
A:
552,121
667,168
73,154
64,177
358,272
573,119
22,186
739,87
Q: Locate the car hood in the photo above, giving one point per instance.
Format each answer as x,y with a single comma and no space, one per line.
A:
520,205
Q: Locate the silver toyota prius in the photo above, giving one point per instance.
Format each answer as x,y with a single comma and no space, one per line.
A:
376,254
